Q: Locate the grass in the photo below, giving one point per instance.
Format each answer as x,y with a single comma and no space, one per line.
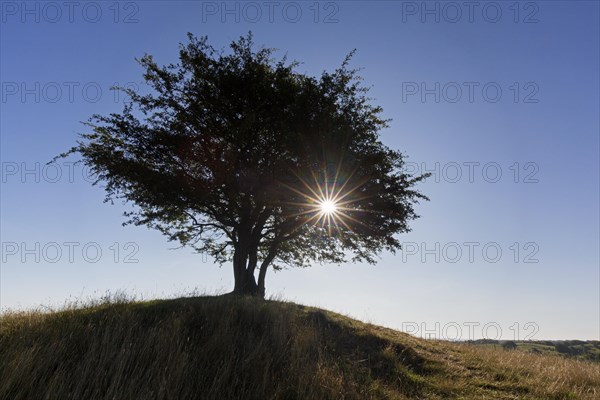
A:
583,350
242,348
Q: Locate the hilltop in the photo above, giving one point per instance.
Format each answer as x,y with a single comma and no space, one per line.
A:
244,348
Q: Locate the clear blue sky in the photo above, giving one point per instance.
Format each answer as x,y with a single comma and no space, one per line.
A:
541,132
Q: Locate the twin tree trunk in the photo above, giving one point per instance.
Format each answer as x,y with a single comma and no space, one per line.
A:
245,263
245,257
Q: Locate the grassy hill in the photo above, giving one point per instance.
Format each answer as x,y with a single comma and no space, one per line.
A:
242,348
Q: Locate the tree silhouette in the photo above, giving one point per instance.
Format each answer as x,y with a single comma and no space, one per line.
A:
238,155
509,345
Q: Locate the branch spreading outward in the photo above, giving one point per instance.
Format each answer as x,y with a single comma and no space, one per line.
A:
239,156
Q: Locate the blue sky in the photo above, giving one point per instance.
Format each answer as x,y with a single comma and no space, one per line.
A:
500,101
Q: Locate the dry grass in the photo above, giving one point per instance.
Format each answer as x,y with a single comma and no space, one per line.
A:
546,377
241,348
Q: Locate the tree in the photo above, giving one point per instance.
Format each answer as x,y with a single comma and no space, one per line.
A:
238,155
509,345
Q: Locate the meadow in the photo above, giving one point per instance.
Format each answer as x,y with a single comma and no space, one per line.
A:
230,347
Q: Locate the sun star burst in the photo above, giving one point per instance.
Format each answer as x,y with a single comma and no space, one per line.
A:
328,207
330,204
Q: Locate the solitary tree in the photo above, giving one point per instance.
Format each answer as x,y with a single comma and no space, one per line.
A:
238,155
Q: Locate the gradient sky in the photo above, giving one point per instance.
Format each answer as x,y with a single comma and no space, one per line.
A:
541,133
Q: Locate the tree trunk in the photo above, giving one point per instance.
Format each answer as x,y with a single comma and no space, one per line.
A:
243,272
245,261
245,284
263,271
261,281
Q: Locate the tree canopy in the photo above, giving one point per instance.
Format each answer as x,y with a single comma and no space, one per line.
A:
239,155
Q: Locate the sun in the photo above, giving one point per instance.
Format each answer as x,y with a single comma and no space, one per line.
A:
328,207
